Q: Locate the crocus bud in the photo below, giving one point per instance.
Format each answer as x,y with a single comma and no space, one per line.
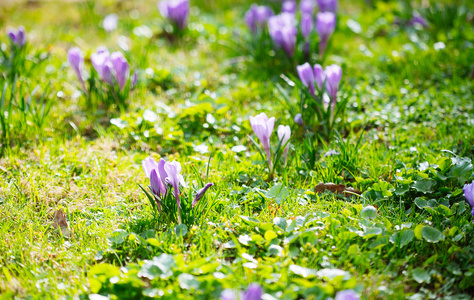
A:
76,61
18,37
327,5
257,16
307,25
263,128
298,119
307,7
469,195
319,76
21,36
306,75
325,25
283,31
284,134
347,295
201,193
177,11
134,80
333,75
110,22
289,6
121,68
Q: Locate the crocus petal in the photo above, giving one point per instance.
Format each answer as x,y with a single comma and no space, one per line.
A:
469,193
306,75
148,165
319,75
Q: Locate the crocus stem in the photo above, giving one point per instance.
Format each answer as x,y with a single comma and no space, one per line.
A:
322,48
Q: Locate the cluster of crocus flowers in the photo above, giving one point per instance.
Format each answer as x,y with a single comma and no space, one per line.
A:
18,36
257,16
164,175
315,76
325,26
111,67
283,31
263,128
469,194
254,292
176,11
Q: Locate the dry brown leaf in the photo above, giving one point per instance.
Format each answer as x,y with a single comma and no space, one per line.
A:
60,221
336,189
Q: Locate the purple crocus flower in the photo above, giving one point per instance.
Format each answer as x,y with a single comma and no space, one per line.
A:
325,25
18,37
283,31
201,193
469,195
76,61
306,75
333,75
121,68
284,134
298,119
307,25
263,128
319,75
175,179
289,6
254,292
257,16
177,11
110,22
307,7
347,295
327,5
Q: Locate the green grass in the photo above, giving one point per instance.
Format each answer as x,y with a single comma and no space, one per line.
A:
408,236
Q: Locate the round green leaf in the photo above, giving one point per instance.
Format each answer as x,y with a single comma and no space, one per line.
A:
432,235
369,212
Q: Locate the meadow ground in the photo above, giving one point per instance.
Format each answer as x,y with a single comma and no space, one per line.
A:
404,140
